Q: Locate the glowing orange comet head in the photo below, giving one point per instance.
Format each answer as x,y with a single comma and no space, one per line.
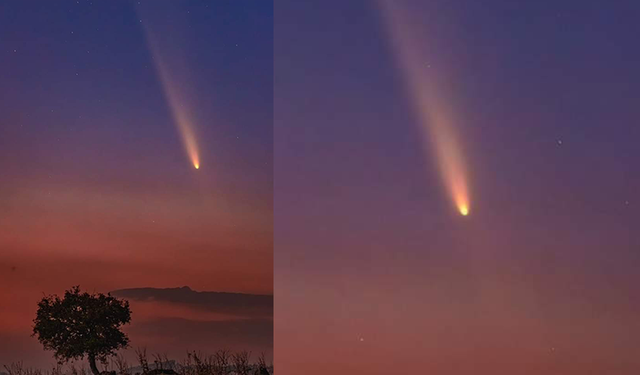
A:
193,155
464,210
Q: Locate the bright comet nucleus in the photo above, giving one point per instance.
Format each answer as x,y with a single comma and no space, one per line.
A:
423,79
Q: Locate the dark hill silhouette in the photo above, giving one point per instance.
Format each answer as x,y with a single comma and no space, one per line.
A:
238,304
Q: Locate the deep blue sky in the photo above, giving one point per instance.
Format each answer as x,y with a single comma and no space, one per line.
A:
89,63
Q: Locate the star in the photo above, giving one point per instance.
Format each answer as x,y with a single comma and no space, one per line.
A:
559,141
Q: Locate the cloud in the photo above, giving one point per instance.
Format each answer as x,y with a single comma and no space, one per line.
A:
236,304
167,334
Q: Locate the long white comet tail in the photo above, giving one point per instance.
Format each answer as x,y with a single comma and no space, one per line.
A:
175,98
433,112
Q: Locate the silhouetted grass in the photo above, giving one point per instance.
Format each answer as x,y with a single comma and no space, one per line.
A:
222,362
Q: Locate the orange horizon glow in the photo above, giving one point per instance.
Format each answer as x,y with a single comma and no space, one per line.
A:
433,110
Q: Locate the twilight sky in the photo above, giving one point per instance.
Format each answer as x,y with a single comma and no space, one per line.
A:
376,272
98,187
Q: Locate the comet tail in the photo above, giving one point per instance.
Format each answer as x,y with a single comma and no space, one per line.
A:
175,95
428,100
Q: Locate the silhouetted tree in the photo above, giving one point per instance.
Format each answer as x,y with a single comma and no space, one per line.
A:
82,324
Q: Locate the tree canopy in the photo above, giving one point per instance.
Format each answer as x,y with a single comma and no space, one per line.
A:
82,324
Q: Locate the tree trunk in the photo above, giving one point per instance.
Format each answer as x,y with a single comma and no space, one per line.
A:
92,364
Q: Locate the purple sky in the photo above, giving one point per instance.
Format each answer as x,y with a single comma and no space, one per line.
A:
376,272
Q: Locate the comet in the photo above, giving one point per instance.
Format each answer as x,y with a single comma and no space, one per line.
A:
428,100
175,92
